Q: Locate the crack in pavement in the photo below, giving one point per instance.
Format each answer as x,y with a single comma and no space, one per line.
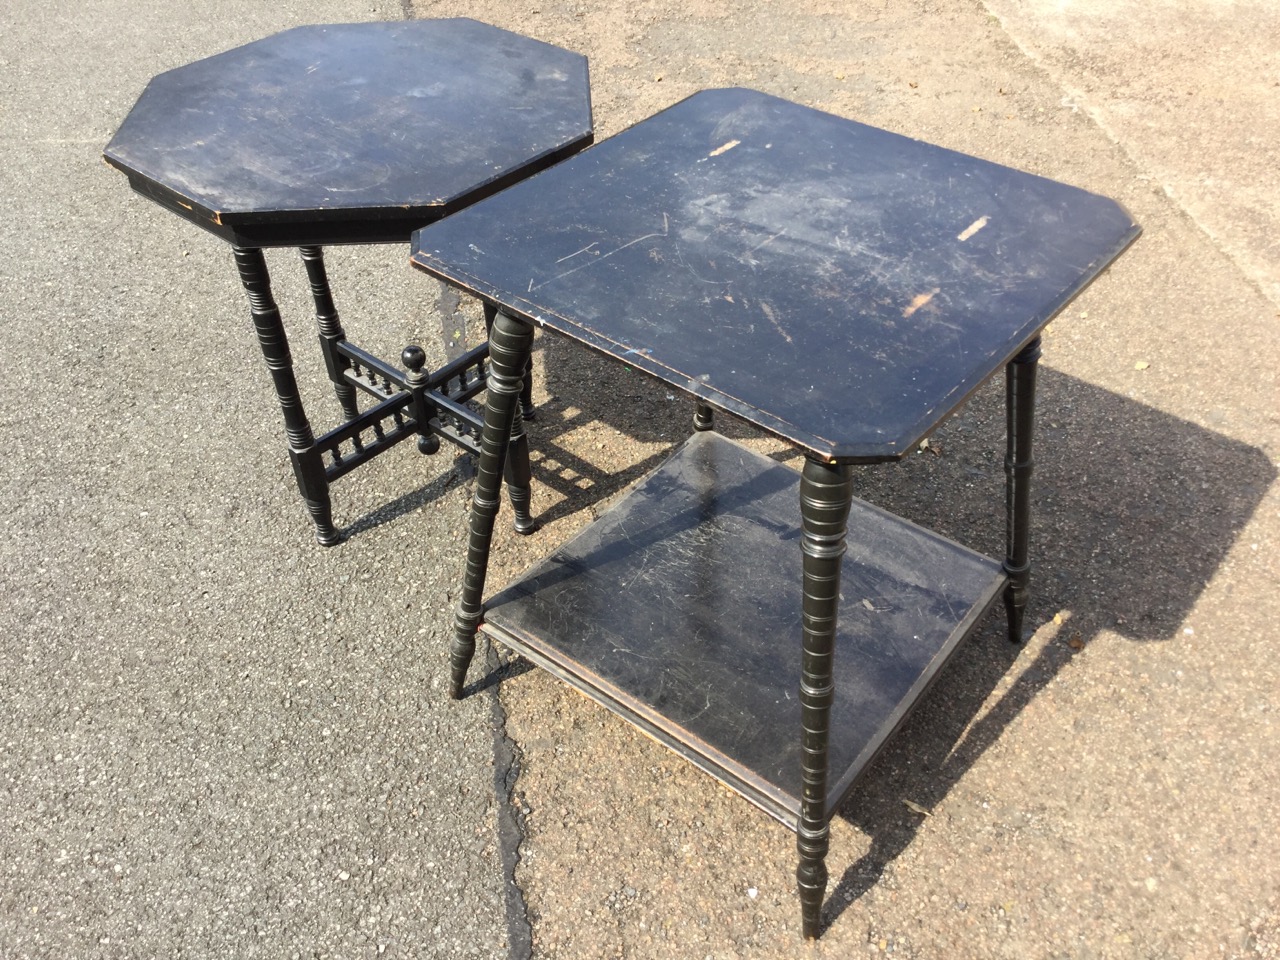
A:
511,821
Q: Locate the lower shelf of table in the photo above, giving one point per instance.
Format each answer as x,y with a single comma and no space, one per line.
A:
679,610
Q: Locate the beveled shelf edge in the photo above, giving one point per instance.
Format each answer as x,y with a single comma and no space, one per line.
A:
776,803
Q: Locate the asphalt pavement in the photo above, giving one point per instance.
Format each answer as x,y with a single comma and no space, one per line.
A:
219,739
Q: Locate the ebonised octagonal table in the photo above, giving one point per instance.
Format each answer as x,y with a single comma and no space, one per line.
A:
355,133
839,286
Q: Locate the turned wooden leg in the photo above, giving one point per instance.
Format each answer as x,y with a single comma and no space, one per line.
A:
509,344
308,467
519,474
331,332
825,493
1020,402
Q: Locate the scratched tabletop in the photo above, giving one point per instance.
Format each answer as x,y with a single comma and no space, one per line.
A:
352,132
838,285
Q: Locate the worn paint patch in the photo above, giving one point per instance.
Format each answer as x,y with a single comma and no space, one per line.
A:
766,242
973,228
768,312
724,148
918,301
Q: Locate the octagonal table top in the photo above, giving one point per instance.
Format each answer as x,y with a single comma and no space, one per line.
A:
841,286
352,132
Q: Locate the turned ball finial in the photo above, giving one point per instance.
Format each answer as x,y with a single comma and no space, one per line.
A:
414,357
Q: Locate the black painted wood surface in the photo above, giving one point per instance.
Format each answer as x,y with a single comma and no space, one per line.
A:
680,609
350,133
841,286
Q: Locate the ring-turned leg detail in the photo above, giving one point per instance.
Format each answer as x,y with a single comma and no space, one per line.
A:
509,344
331,332
528,411
308,467
703,417
519,473
1020,402
825,494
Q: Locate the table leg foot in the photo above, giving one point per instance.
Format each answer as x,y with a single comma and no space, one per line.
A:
523,524
327,535
811,877
1015,608
1020,402
463,649
509,344
308,469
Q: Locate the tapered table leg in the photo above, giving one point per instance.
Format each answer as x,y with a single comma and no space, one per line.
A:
308,467
331,332
825,494
510,343
1020,403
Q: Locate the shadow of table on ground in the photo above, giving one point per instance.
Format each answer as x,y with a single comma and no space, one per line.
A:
1133,512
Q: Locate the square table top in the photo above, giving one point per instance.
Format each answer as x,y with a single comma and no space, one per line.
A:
352,132
841,286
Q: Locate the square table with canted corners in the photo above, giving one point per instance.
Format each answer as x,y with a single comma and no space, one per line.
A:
840,287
